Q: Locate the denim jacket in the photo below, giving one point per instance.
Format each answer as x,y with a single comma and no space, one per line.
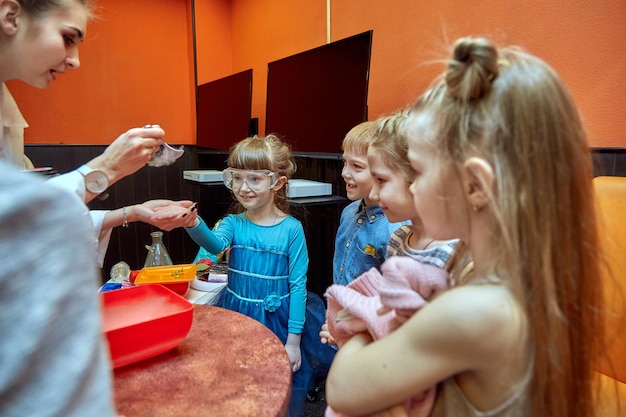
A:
361,241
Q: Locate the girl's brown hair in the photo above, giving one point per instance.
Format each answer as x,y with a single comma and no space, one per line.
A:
271,153
511,109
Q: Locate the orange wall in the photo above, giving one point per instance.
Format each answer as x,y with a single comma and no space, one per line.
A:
137,62
272,30
214,44
136,68
582,40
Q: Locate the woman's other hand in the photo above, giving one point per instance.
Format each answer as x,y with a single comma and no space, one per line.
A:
168,215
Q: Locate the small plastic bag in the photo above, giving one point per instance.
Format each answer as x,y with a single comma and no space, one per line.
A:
166,155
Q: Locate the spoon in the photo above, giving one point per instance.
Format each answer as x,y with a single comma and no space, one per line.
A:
166,154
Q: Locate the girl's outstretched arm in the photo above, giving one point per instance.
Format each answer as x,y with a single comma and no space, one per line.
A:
214,242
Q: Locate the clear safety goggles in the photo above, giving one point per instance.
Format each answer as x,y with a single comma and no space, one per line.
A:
257,180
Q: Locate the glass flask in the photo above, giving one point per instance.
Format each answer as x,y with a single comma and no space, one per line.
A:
157,254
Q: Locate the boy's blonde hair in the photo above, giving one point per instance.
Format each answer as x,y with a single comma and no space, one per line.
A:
359,138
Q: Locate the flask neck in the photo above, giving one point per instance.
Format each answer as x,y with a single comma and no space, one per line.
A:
157,237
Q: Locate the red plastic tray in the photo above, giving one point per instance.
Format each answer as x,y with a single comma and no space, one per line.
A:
144,321
180,288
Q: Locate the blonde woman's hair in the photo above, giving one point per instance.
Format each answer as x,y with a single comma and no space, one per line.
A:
269,152
513,110
359,138
391,145
39,8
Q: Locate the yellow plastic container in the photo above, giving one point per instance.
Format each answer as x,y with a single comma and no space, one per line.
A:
166,274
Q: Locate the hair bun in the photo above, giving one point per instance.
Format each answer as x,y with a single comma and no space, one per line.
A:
473,66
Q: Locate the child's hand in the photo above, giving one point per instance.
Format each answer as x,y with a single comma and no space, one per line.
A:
325,335
395,411
293,351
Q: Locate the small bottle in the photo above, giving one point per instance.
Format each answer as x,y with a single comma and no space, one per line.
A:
120,272
157,254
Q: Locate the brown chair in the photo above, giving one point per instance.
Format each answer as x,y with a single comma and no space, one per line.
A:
610,194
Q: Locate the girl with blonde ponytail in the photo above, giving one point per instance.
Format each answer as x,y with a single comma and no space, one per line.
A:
502,163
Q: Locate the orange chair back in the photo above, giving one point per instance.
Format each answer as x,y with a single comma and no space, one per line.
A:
610,194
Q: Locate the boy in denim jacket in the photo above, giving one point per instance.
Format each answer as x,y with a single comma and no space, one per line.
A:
364,230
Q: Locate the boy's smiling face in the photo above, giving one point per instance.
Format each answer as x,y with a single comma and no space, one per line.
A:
357,176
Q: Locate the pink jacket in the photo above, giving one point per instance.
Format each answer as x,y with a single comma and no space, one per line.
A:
379,304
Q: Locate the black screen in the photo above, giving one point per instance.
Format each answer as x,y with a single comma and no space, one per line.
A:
315,97
223,111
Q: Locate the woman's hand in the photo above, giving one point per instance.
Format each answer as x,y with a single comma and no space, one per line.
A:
168,215
129,152
163,205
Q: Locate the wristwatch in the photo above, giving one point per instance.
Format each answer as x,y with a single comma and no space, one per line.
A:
96,181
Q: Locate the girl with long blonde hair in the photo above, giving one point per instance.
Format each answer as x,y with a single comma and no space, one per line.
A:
502,163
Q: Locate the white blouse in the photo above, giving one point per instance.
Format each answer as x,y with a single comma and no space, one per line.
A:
12,125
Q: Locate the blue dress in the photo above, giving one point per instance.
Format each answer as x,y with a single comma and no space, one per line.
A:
267,267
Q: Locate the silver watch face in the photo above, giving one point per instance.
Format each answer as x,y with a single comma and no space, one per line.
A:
96,181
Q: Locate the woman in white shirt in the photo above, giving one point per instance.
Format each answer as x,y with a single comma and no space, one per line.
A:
54,32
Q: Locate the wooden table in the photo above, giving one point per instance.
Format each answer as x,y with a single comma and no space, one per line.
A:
228,365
